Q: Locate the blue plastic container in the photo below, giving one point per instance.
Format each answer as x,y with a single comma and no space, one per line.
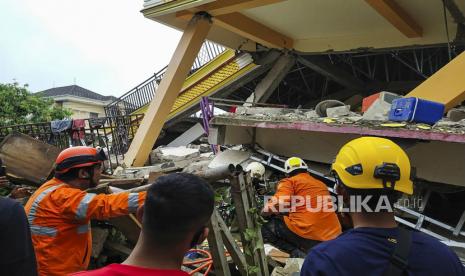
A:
416,110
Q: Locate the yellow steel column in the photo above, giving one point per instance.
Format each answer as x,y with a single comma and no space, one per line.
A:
446,86
166,94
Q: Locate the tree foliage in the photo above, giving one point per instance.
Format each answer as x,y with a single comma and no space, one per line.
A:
19,106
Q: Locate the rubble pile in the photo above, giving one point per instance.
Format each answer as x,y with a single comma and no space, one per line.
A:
454,123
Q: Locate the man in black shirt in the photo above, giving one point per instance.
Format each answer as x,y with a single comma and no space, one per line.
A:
17,255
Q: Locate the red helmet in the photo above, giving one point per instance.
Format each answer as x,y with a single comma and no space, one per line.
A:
78,157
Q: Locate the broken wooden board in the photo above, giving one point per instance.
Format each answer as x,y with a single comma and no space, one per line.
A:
27,159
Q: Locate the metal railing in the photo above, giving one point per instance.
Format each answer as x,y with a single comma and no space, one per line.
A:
143,93
114,134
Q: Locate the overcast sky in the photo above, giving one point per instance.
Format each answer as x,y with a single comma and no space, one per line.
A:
106,46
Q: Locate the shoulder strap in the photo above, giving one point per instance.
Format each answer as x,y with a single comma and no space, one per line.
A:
399,258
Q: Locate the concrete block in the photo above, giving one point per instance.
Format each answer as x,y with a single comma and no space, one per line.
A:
189,136
456,114
378,111
338,111
166,154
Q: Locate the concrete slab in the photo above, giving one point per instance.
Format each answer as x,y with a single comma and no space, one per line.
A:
235,157
188,137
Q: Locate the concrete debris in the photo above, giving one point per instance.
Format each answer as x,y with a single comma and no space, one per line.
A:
456,114
324,105
311,114
170,159
355,101
378,119
203,148
338,111
167,154
292,267
197,166
378,111
235,157
243,110
203,140
99,236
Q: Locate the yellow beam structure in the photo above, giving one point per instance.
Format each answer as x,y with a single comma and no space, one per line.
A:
227,6
397,16
253,30
170,86
446,86
225,14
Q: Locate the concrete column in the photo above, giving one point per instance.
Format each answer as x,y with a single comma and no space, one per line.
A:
166,94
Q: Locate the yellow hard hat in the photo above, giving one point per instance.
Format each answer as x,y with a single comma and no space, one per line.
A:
294,163
374,163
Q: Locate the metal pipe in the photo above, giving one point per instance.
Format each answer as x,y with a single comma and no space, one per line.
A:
218,173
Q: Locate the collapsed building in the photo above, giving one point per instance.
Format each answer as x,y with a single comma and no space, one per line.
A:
266,80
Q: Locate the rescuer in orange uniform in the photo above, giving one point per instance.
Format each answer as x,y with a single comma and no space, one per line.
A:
305,222
59,212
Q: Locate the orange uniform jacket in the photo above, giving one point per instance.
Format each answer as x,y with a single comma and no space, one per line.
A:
59,216
320,226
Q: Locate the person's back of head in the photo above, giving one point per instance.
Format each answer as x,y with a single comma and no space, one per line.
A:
176,211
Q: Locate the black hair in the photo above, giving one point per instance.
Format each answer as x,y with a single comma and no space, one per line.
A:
72,173
375,195
297,171
176,205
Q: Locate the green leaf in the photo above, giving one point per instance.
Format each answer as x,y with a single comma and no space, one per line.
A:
250,234
247,251
252,210
258,246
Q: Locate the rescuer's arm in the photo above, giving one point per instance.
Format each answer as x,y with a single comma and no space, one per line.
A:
79,205
281,198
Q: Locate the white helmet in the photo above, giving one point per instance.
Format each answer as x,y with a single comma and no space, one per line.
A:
256,169
294,163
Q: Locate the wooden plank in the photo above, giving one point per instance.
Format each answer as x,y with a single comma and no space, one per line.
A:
397,16
242,203
167,92
28,159
217,247
232,246
446,86
253,30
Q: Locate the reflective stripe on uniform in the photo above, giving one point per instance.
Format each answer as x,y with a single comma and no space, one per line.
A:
84,228
37,229
81,211
133,202
43,230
